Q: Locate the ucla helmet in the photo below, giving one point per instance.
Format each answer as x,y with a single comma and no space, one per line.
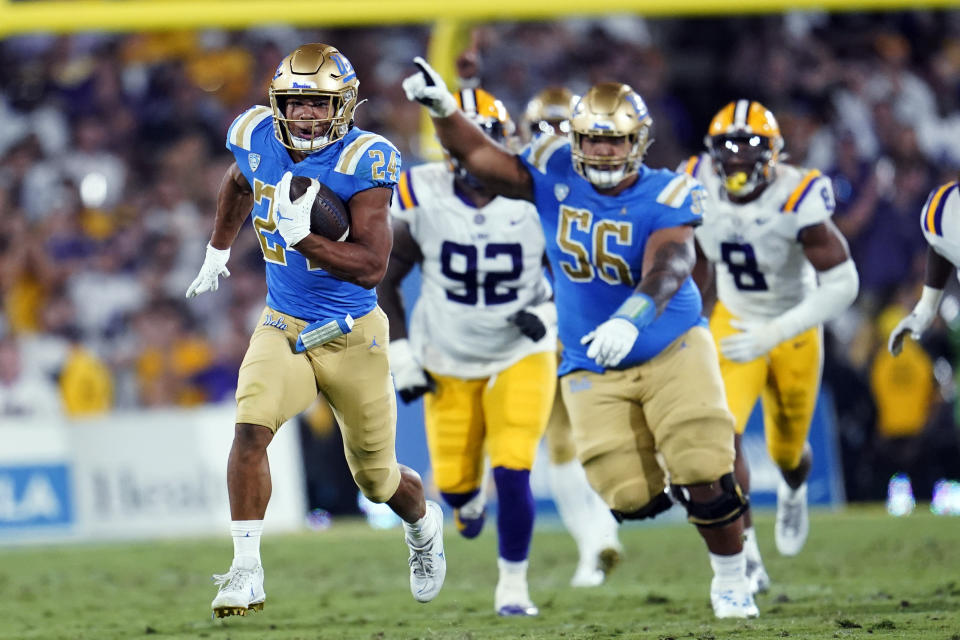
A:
610,109
549,112
314,70
744,143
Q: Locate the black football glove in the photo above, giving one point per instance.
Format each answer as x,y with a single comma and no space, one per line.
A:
529,324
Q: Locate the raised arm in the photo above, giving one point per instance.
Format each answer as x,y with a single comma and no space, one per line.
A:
234,204
500,170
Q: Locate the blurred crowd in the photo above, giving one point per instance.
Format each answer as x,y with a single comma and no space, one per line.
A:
112,150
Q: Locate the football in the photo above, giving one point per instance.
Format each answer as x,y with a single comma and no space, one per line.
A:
329,215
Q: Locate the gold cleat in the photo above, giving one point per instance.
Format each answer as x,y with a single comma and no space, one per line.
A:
256,606
223,612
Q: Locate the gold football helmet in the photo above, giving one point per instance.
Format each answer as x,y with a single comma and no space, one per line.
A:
744,142
487,112
314,71
613,110
549,112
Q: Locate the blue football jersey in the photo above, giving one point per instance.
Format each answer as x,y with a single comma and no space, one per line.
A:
595,245
360,160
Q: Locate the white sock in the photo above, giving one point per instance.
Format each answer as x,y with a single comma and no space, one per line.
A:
729,568
750,547
246,538
420,531
583,512
510,570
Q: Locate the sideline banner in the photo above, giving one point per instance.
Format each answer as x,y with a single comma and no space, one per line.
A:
137,474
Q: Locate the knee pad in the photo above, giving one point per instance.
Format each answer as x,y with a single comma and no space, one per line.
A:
650,510
720,511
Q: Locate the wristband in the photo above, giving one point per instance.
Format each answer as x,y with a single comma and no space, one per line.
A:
639,309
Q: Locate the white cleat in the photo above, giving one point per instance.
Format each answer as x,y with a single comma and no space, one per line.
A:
757,577
428,565
592,571
512,598
793,522
732,599
241,589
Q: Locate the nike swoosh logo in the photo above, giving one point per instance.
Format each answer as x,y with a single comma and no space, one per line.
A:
762,221
516,222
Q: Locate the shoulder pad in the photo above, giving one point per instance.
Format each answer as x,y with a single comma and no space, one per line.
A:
675,193
540,150
241,131
931,216
800,191
354,153
692,166
406,196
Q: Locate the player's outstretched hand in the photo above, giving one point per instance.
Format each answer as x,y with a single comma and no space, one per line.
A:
915,324
293,217
408,376
428,88
533,321
754,340
214,266
611,341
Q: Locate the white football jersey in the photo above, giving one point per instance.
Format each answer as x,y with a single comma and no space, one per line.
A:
480,266
940,220
760,265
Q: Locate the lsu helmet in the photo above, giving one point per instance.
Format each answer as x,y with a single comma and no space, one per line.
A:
549,112
487,112
610,109
744,143
490,115
314,70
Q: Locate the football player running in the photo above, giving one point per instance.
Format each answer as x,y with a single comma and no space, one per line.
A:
782,269
582,511
639,374
321,330
940,221
482,338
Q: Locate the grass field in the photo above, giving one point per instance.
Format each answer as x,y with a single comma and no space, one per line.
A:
862,575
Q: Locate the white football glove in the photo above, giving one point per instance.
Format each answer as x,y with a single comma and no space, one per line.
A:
428,88
611,341
293,218
918,321
756,339
214,265
409,377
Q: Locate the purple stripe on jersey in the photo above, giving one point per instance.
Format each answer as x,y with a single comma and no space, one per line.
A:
803,195
938,214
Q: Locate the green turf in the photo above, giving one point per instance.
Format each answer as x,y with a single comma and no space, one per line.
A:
863,574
